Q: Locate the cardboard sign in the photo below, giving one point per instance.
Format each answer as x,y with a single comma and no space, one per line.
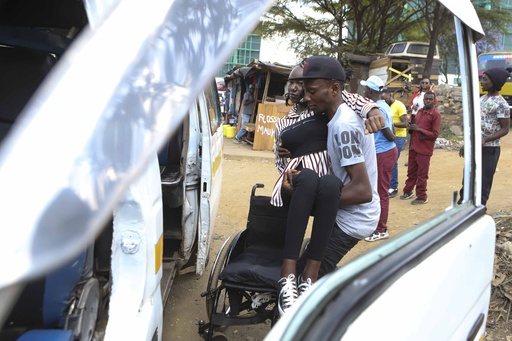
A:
265,121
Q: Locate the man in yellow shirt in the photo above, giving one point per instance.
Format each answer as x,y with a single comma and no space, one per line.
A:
399,112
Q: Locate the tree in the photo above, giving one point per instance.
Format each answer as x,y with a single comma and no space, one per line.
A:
437,24
436,19
333,27
494,22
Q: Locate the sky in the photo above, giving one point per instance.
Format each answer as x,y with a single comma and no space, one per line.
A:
276,50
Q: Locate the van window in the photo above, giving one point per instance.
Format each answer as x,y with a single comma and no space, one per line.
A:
398,48
213,104
418,49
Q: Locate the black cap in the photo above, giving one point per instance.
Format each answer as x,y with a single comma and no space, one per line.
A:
498,77
324,67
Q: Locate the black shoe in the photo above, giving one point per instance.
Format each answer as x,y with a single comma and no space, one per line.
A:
392,193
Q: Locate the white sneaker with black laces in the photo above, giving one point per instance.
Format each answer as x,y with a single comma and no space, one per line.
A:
304,286
288,294
377,236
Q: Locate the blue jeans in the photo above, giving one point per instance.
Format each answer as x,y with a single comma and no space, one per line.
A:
399,141
242,131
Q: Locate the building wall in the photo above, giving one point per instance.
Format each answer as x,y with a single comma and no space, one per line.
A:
248,50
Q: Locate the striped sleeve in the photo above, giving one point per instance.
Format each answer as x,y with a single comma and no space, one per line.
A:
280,161
358,103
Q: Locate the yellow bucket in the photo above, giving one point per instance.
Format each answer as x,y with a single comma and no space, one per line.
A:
230,132
225,129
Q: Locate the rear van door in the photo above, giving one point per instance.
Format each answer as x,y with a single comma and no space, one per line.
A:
211,171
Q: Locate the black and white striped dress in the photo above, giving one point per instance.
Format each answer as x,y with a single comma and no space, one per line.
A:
316,160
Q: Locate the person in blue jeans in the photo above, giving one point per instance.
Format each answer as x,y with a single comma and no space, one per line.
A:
400,120
248,102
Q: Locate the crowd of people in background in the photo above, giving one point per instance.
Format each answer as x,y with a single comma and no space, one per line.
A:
331,168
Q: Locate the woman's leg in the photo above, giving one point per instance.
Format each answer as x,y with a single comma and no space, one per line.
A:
325,210
305,186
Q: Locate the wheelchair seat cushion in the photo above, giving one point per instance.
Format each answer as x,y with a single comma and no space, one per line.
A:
257,265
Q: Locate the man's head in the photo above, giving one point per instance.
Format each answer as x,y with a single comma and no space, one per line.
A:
251,88
496,78
387,96
372,87
428,100
323,82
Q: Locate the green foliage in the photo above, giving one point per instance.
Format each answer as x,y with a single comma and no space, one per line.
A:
494,21
334,27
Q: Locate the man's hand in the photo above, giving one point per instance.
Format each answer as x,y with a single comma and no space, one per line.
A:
414,127
283,152
461,151
374,122
287,185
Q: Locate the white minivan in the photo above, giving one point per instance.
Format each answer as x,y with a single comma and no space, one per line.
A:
105,204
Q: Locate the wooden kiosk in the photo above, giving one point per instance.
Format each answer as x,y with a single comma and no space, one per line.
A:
270,80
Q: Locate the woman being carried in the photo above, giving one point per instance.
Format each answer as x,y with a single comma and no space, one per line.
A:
301,150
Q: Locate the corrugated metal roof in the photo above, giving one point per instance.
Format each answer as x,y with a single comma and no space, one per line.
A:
258,66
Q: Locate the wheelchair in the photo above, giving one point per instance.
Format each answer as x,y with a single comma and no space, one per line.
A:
243,284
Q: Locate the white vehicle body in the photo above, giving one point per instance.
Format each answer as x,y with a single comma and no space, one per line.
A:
410,49
135,79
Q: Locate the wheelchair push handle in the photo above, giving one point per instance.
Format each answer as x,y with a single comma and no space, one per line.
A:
254,188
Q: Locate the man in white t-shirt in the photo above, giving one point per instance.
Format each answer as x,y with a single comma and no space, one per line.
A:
352,155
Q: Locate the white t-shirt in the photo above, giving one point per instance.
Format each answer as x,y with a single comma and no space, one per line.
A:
348,145
418,100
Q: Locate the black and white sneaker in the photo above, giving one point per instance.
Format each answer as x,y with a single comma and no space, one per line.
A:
288,294
304,285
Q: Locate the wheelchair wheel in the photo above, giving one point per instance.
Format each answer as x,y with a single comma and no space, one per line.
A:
213,282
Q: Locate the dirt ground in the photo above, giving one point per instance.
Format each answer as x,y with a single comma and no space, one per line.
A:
186,307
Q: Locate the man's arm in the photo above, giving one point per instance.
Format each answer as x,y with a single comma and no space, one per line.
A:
359,190
375,121
435,127
248,99
402,112
388,134
403,121
366,109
